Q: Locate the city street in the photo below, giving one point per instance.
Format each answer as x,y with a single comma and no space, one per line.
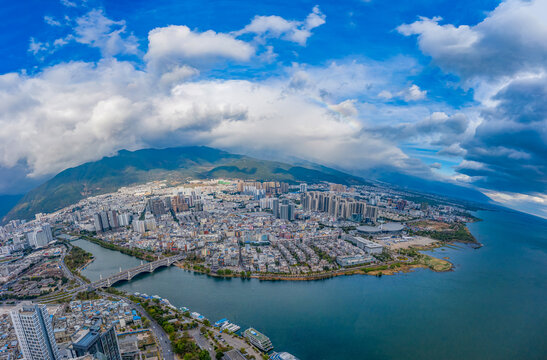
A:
161,336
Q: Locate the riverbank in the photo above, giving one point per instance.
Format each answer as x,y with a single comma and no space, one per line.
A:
138,253
384,317
424,261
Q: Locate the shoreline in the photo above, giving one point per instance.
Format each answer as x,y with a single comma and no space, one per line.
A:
393,268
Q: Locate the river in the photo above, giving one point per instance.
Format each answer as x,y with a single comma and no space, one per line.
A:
492,306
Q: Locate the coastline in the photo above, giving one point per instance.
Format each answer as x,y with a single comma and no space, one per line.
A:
425,261
394,268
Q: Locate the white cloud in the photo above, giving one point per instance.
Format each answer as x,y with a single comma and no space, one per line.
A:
60,42
509,39
413,93
51,21
96,30
68,3
384,94
36,46
504,59
94,110
171,45
345,108
277,27
535,204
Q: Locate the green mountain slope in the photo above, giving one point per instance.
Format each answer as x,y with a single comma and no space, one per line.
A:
174,164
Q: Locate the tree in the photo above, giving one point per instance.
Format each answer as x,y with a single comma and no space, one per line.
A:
206,322
169,329
219,355
204,355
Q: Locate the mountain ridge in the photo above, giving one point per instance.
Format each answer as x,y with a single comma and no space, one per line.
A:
174,164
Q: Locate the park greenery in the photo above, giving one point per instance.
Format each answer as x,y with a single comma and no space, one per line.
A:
76,258
457,232
173,324
87,295
138,253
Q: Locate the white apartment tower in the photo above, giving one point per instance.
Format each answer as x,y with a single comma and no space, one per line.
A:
35,332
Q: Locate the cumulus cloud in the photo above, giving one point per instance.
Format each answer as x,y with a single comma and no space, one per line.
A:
504,58
175,44
96,30
277,27
413,93
385,94
346,108
511,38
97,109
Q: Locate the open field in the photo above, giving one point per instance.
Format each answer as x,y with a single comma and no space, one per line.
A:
417,241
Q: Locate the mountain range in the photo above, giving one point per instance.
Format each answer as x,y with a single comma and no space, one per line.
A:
172,164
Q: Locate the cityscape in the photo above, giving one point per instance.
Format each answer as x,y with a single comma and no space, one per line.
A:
220,227
273,180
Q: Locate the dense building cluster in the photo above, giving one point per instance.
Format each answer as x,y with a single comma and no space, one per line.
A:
100,328
339,206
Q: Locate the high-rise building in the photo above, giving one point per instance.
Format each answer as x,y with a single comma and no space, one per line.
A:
179,203
47,230
156,207
113,219
104,220
125,219
98,341
38,238
98,222
284,212
274,205
139,226
303,187
34,331
335,205
371,213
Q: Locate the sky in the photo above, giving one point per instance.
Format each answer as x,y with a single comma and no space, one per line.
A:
444,90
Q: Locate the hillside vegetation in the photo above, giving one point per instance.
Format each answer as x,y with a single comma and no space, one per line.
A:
173,164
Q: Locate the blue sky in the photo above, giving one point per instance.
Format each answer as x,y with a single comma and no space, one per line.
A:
436,89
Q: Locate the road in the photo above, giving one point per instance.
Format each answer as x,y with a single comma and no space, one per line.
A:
202,342
161,336
238,343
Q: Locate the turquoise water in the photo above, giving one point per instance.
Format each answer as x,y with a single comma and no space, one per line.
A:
106,262
493,306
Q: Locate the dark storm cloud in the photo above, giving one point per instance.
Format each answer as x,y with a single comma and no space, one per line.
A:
510,143
438,129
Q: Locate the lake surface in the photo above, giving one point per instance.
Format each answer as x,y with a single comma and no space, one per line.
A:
493,306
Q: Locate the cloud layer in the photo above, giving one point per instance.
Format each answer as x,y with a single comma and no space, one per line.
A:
181,86
504,59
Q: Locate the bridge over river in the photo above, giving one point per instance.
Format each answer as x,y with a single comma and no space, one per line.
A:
129,274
